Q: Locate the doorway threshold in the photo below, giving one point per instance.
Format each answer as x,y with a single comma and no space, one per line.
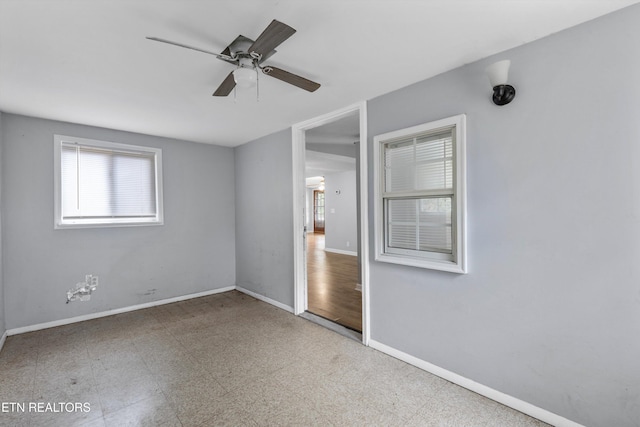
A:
344,331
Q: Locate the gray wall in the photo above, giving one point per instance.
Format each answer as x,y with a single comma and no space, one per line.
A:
264,230
2,321
347,150
550,310
192,252
341,224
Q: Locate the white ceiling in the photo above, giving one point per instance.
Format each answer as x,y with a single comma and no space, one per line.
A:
88,62
320,164
343,131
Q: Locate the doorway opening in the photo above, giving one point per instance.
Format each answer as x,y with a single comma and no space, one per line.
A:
331,266
318,211
332,284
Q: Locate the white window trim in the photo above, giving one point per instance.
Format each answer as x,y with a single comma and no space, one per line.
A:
59,223
459,264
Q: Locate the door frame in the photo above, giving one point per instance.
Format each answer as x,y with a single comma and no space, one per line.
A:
299,189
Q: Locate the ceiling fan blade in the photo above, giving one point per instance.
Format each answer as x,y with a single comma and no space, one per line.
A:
226,86
218,55
272,36
291,78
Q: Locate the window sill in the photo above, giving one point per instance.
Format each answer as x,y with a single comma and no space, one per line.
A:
432,264
95,224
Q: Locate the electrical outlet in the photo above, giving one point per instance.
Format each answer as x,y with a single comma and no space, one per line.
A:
348,243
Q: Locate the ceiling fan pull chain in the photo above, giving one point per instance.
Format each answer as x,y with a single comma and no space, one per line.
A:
257,85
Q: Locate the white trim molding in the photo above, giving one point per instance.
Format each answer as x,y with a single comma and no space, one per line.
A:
454,262
299,189
76,218
70,320
3,339
341,252
265,299
488,392
299,214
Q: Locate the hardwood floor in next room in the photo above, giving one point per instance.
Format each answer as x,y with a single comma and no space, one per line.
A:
331,284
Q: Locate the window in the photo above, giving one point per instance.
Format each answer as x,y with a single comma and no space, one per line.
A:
420,195
101,184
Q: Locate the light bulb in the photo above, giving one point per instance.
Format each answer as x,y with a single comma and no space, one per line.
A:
245,77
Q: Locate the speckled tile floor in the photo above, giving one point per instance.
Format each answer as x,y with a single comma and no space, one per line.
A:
225,359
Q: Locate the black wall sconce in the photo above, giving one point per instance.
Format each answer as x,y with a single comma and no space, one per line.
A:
498,75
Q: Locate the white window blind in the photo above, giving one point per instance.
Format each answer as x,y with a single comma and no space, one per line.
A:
420,224
107,183
420,163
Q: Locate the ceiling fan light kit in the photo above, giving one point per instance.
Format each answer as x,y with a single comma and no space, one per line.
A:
245,77
247,55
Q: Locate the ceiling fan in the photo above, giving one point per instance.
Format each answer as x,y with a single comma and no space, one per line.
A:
247,55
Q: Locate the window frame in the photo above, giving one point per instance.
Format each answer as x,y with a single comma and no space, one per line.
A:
424,259
62,223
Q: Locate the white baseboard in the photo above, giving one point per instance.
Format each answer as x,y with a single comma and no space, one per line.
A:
3,339
82,318
340,251
505,399
61,322
265,299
